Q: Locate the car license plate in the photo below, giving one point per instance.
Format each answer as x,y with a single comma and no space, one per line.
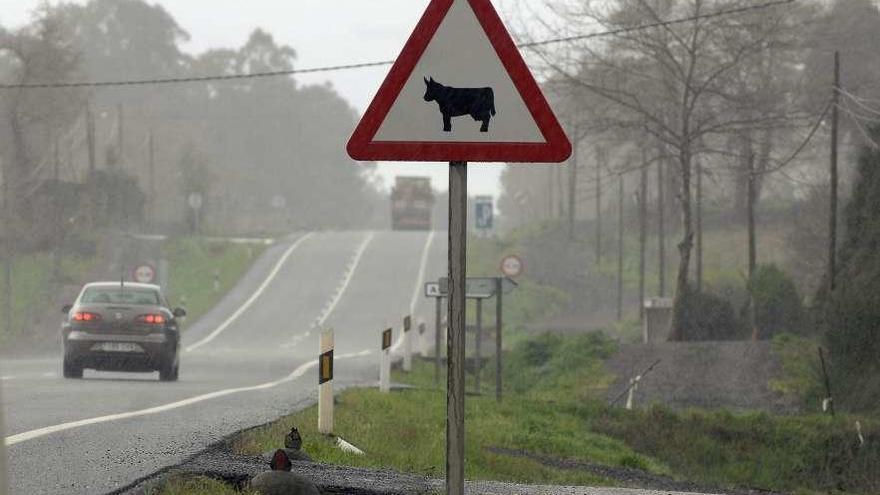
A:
117,347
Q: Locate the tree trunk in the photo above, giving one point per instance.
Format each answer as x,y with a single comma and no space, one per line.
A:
661,228
685,247
620,209
699,224
753,251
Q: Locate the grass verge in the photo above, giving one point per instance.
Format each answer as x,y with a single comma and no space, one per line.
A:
553,407
194,264
195,485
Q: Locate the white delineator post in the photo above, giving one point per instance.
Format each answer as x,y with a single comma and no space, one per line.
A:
407,344
385,362
325,383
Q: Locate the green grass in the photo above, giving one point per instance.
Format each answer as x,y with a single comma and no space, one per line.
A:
195,485
554,390
406,430
193,264
32,287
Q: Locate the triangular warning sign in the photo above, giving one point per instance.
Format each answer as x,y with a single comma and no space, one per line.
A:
460,91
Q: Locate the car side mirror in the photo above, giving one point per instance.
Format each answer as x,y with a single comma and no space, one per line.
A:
66,308
179,312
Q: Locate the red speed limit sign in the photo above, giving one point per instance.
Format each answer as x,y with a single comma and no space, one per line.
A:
512,266
144,274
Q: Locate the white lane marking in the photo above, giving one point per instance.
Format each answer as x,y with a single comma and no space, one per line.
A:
420,281
41,432
352,267
253,297
49,375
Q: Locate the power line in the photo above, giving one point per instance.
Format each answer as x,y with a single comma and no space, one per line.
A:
364,65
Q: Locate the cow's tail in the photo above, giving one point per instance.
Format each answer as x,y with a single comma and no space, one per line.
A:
492,94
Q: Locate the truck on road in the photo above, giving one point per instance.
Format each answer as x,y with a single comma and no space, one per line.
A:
412,203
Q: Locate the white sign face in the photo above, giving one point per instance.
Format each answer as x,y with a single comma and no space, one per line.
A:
144,274
460,57
432,289
195,201
512,266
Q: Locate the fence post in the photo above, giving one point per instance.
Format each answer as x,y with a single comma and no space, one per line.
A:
325,383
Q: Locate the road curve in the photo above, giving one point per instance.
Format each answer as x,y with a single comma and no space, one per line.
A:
94,435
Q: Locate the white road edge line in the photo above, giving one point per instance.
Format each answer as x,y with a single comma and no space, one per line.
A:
328,310
223,326
297,373
420,281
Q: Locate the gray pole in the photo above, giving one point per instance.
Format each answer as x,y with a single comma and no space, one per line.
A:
455,342
152,171
438,335
498,314
600,163
572,185
479,346
643,228
832,237
620,208
661,227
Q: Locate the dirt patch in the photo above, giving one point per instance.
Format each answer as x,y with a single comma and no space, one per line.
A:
731,375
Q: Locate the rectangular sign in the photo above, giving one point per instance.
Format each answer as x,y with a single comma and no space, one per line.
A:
325,367
484,214
478,288
432,289
386,339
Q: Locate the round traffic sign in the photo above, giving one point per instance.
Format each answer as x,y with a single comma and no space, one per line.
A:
144,274
512,266
195,201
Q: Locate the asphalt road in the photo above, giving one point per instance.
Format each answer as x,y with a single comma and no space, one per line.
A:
248,361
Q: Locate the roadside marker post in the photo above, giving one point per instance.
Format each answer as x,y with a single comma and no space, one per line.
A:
462,61
385,361
407,344
423,340
325,383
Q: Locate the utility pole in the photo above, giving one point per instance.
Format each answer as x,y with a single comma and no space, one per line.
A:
699,223
835,130
90,138
572,184
643,232
151,151
620,210
600,161
120,135
661,227
56,214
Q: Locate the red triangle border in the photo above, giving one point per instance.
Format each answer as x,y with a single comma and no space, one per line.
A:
557,147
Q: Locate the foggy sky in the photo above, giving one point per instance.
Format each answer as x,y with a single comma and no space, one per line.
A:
324,32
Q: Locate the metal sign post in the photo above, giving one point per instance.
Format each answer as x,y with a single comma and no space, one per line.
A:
455,341
478,347
499,304
460,66
325,383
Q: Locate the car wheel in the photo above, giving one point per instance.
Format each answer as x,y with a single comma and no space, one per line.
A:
169,371
71,371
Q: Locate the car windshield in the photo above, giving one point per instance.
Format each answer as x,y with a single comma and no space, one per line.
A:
120,295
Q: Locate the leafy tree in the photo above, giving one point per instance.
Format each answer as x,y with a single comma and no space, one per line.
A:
777,303
852,312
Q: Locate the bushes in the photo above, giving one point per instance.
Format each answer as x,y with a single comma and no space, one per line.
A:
777,304
709,317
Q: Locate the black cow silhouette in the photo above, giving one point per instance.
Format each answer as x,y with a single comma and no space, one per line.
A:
479,103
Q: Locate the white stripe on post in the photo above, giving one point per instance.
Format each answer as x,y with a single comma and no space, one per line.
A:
325,383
